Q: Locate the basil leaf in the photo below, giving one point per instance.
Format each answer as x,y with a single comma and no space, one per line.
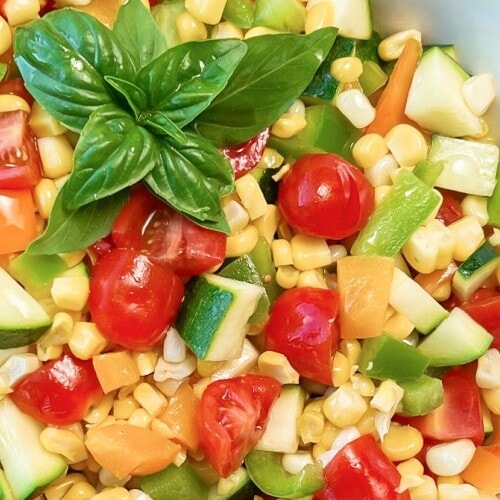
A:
58,76
192,177
134,97
71,230
197,72
159,123
113,152
273,73
138,33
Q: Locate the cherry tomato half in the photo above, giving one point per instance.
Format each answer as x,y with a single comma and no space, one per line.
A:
133,300
60,392
243,157
323,195
167,237
232,417
360,470
20,164
302,325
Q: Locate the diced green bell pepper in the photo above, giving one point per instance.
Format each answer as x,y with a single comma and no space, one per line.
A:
405,207
266,472
263,261
421,395
239,12
384,357
428,171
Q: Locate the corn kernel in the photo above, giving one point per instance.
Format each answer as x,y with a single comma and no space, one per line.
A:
369,149
79,491
407,144
363,384
287,276
281,252
341,369
411,466
251,196
398,326
492,399
243,242
44,195
206,11
390,48
267,225
18,366
468,235
123,408
42,124
150,399
309,252
5,36
108,479
288,125
476,206
226,29
140,418
63,442
70,292
425,491
20,11
346,69
457,491
277,365
86,340
61,486
351,349
356,107
402,442
259,31
56,155
380,174
313,278
319,16
479,92
190,28
174,348
237,217
488,370
344,407
310,427
116,493
98,413
450,458
12,102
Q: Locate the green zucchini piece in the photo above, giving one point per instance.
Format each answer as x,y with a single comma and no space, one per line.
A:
280,15
458,340
164,15
22,319
479,266
238,486
239,12
421,395
213,319
28,466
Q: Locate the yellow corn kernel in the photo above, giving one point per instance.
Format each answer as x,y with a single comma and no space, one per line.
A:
150,399
123,408
99,412
46,353
115,493
237,217
366,424
277,365
162,428
5,36
456,479
479,92
425,491
341,369
281,252
363,384
259,31
108,479
145,361
63,442
169,387
369,149
61,486
206,368
387,397
267,225
345,406
351,349
56,154
43,124
59,332
476,206
206,11
319,16
86,340
330,432
243,242
309,252
313,278
288,125
297,107
310,426
390,48
468,235
12,102
356,107
284,230
251,196
226,29
398,326
287,276
140,418
402,442
44,195
190,28
20,11
411,466
407,144
270,157
346,69
80,491
380,174
70,292
492,399
447,491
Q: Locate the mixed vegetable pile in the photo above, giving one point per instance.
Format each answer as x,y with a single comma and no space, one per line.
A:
248,249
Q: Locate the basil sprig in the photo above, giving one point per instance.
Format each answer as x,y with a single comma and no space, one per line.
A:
145,111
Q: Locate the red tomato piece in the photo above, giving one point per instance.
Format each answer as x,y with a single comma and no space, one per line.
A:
17,220
450,210
460,414
484,307
232,417
360,471
133,300
243,157
167,237
324,195
60,392
15,86
20,165
302,325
